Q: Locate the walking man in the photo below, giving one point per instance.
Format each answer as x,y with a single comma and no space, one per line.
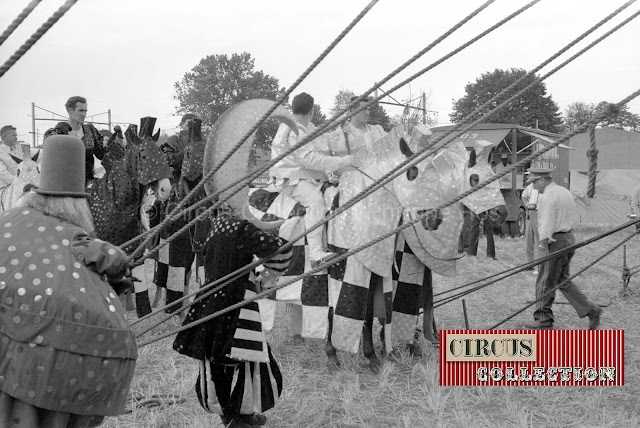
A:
556,218
530,198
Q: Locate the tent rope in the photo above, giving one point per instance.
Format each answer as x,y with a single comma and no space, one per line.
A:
388,234
512,271
339,117
36,36
520,268
418,157
563,283
16,22
177,210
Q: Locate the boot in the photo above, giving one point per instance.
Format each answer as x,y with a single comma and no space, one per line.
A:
143,305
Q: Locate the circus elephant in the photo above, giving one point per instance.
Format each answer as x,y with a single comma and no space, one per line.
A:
419,249
346,286
117,198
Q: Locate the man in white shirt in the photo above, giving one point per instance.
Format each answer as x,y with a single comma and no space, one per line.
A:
530,198
556,218
9,155
303,171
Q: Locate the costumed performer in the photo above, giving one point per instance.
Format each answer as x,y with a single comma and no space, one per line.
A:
68,355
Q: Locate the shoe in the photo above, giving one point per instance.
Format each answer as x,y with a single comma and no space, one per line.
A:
254,420
594,318
538,326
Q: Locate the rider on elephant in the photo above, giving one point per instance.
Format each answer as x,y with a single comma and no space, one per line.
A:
356,133
303,172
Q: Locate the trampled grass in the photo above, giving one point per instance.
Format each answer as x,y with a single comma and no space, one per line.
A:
406,392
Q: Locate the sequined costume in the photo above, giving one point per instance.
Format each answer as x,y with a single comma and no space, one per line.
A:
238,374
66,346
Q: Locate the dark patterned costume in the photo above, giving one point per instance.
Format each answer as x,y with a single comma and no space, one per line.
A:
65,344
238,374
184,154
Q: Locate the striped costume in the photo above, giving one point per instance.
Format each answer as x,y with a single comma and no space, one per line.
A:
238,374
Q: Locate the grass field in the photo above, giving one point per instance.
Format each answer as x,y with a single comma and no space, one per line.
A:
406,392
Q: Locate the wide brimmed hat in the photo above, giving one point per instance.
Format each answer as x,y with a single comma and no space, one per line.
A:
62,169
537,173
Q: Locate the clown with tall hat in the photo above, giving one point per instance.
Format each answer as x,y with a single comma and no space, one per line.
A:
68,353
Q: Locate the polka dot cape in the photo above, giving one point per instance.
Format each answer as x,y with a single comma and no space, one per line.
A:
65,343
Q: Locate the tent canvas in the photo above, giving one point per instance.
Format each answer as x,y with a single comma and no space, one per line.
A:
612,202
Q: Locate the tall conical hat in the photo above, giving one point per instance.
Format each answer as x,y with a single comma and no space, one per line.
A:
62,169
227,131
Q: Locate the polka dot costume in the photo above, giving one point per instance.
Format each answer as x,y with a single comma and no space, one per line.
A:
115,199
65,343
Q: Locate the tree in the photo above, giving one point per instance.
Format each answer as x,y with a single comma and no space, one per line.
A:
579,113
318,117
377,114
532,106
219,82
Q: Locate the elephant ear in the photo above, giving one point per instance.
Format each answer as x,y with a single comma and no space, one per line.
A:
132,134
230,127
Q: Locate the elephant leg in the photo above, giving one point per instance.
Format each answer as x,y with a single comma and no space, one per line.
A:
162,270
428,322
333,364
175,288
141,289
295,323
367,329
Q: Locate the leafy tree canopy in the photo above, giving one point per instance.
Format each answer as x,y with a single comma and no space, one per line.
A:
579,113
318,117
532,105
219,82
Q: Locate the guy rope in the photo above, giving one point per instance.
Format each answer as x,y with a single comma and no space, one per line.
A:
413,160
343,256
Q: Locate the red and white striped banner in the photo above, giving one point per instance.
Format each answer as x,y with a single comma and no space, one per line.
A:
532,357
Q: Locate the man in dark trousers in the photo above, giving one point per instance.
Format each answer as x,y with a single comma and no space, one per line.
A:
557,217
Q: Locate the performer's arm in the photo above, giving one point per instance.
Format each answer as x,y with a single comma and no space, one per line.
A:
311,159
100,255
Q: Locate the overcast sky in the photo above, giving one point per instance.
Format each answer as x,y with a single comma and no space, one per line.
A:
126,55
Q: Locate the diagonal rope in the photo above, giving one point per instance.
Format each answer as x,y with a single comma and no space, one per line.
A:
16,22
598,117
177,210
409,162
512,271
310,137
336,119
36,36
340,116
553,290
